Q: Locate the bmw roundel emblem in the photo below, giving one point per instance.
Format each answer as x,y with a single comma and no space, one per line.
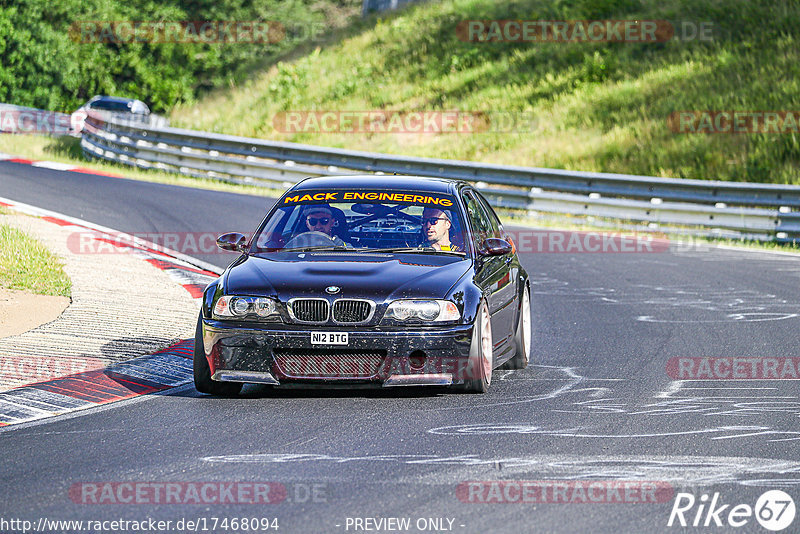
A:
332,290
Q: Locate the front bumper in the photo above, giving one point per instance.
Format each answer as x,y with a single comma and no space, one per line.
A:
282,355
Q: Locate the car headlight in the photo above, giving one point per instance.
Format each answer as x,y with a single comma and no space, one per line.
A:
235,307
422,310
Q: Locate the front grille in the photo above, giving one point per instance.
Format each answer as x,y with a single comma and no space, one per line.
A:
352,311
328,363
309,310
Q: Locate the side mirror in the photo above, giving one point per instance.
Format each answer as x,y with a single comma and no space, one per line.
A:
233,241
495,247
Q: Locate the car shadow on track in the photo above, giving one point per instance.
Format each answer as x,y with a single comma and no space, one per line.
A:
254,391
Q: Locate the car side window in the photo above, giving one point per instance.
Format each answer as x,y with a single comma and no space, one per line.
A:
479,221
497,226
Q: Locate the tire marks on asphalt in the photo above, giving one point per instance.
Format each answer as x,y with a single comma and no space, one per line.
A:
678,470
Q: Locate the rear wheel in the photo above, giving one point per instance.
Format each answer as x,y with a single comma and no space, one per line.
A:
480,354
522,339
202,373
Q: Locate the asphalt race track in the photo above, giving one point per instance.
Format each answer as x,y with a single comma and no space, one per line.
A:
600,404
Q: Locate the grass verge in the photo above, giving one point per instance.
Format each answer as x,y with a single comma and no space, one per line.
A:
25,264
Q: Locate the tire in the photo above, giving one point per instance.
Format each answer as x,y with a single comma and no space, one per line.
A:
202,373
480,353
522,339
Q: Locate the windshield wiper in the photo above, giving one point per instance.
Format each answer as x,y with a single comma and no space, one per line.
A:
413,250
309,249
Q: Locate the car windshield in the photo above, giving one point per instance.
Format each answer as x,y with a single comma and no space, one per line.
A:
112,105
364,221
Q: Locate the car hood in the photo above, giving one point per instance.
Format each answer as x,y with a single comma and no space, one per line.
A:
409,276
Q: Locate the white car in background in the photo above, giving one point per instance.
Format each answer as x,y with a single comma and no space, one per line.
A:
105,107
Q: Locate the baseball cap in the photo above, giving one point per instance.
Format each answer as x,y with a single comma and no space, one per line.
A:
320,208
445,213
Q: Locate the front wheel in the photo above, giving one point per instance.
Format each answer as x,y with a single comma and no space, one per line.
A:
202,372
480,354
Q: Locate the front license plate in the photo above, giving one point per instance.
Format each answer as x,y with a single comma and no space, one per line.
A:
329,338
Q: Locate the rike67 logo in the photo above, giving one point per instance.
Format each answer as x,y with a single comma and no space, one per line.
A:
774,510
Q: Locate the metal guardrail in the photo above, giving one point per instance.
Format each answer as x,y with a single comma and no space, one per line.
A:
767,210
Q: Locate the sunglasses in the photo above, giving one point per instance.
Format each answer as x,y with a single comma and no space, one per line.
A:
322,220
432,220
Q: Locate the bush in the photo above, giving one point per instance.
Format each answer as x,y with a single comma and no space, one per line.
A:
45,65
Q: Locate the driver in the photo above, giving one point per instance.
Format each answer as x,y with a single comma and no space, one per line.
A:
436,225
319,218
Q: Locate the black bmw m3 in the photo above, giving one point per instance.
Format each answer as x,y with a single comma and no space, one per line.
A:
367,281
